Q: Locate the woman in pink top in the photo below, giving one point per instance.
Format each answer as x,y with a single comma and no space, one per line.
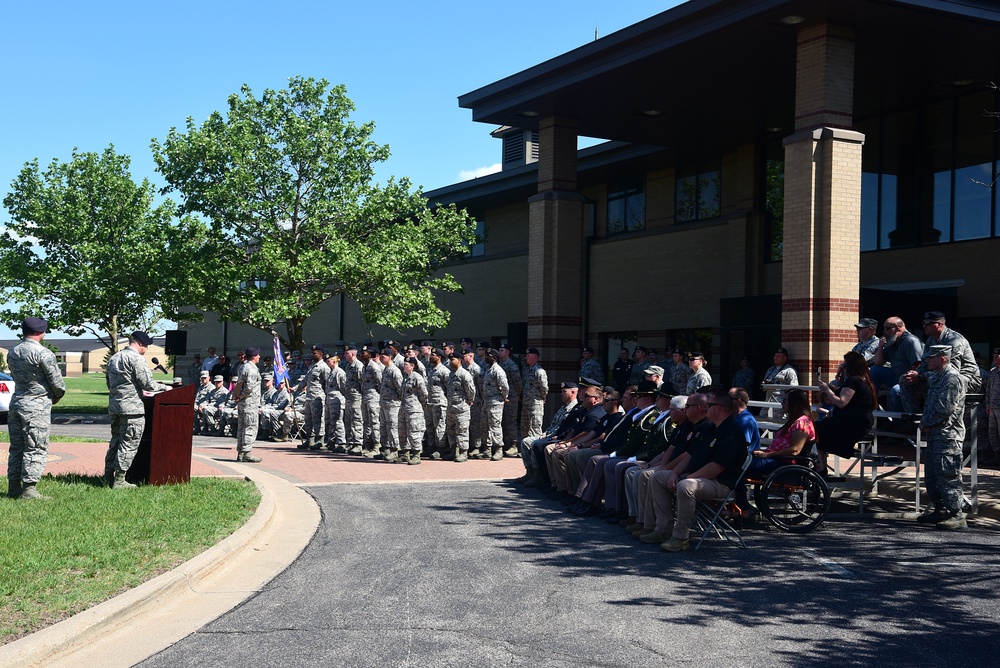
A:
790,439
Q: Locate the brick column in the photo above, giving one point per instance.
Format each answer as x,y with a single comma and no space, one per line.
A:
822,216
555,253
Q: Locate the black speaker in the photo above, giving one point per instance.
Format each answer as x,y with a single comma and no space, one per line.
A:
517,336
177,342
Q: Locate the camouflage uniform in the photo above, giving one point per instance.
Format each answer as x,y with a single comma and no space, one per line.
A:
293,418
679,376
200,396
127,376
194,373
461,391
992,401
38,385
353,423
389,399
536,388
785,375
437,406
247,393
411,414
962,359
477,416
211,408
272,407
944,408
698,380
314,383
591,369
495,392
867,348
638,373
514,384
336,385
371,389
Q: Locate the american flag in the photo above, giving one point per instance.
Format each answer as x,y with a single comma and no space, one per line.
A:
280,371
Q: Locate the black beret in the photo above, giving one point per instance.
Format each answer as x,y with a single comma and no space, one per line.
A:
532,351
35,326
142,337
253,351
454,356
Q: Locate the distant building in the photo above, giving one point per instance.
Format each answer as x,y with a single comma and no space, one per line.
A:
78,356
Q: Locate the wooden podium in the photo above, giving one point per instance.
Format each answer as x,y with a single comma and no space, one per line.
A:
164,455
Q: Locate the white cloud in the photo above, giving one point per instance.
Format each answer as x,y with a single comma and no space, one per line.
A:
467,174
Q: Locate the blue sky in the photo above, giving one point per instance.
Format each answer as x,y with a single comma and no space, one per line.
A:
87,75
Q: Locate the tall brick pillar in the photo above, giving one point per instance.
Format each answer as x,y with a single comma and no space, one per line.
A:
555,253
822,231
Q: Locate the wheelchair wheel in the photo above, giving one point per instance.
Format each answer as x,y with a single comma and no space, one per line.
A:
794,498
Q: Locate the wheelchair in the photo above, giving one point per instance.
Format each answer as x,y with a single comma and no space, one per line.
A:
794,497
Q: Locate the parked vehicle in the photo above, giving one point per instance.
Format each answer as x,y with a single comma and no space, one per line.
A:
6,392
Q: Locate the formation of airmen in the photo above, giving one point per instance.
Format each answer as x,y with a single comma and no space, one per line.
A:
397,403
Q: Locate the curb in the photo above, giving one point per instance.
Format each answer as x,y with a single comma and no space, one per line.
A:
149,618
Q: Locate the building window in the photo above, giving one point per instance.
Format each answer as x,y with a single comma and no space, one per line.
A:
929,174
627,205
774,208
699,194
479,249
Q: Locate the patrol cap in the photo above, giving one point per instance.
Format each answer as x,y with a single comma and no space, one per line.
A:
252,351
867,322
532,351
933,316
939,351
217,379
654,370
34,326
645,388
178,380
205,374
268,376
387,351
569,385
142,337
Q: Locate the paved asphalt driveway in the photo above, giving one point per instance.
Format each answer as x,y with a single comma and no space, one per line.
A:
484,574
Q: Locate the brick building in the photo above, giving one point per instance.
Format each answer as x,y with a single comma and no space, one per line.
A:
770,171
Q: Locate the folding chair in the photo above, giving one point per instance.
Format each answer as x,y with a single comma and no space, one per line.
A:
708,514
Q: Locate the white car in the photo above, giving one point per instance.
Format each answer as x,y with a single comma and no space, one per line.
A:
6,392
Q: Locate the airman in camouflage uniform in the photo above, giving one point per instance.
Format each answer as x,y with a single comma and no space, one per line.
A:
314,383
209,412
513,405
495,394
411,413
272,407
293,417
354,370
371,390
194,371
680,373
247,394
943,426
38,385
589,367
437,405
389,399
911,384
536,388
639,365
127,377
478,426
200,394
336,385
461,394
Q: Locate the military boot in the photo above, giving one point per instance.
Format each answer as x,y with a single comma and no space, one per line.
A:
512,451
414,457
316,444
369,454
462,456
436,455
355,450
934,516
529,473
247,457
120,481
339,449
497,454
391,455
404,457
109,477
13,488
954,522
306,443
474,453
29,492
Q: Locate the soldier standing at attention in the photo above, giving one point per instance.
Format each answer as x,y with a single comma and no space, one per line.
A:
510,409
411,413
247,395
353,423
944,429
536,388
477,416
314,383
437,405
495,394
589,367
336,385
127,376
371,389
39,385
389,399
461,395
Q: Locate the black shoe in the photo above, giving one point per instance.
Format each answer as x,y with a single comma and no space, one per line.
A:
614,518
579,507
605,514
933,517
587,510
569,500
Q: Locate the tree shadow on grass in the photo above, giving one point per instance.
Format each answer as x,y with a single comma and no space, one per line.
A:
76,479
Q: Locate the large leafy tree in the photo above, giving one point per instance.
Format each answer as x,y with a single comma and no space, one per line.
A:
87,249
287,182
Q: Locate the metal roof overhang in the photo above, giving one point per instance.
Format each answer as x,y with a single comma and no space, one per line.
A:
709,75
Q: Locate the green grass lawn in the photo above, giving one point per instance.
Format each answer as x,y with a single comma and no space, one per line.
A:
89,394
89,543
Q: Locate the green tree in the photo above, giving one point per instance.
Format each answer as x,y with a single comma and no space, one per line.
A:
287,183
87,249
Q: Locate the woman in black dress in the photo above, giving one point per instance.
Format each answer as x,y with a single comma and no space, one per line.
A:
854,400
